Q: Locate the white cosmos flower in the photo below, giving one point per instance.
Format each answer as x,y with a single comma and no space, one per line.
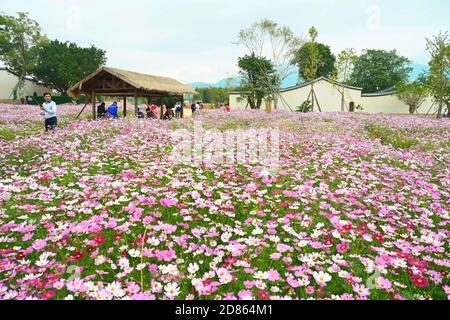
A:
153,241
171,290
134,253
322,277
193,268
261,275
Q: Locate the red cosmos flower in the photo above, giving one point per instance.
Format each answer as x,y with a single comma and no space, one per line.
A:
98,241
378,237
328,241
402,254
419,281
77,256
347,228
48,295
263,295
444,273
20,255
117,237
89,249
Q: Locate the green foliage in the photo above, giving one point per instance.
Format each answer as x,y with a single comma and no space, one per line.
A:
57,100
412,93
213,95
258,78
304,58
305,107
61,65
280,45
20,39
377,70
390,137
345,63
438,79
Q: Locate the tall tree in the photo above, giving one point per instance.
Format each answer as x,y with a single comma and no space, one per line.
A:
439,76
61,65
278,43
254,85
377,70
304,56
310,69
412,93
20,39
346,60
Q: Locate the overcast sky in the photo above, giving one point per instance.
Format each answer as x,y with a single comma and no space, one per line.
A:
193,40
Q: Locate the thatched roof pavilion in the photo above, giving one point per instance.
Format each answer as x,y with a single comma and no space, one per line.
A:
122,83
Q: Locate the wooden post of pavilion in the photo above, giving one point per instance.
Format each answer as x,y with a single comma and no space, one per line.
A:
135,105
125,107
94,113
182,106
161,111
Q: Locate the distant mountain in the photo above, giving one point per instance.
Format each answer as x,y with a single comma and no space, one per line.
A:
224,83
290,81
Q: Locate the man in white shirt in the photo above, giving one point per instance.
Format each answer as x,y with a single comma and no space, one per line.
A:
49,108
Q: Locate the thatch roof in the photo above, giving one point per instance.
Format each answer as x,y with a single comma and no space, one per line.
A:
139,82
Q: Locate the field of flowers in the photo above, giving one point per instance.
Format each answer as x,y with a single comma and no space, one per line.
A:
17,121
358,209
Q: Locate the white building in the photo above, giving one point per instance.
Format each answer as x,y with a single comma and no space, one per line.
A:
329,99
8,83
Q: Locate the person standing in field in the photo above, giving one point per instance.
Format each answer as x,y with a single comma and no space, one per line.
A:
49,108
193,107
178,109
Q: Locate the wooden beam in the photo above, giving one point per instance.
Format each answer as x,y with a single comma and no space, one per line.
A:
94,111
125,106
161,111
135,105
182,106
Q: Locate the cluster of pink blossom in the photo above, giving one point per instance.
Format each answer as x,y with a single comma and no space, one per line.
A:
97,210
21,119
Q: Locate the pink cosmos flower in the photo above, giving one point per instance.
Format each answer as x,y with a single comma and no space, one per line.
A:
167,202
39,244
383,283
142,296
275,256
347,296
245,295
273,275
343,247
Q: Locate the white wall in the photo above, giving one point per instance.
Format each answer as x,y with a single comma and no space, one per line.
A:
329,97
8,81
236,103
391,104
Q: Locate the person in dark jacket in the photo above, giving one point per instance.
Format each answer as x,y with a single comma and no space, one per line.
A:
101,110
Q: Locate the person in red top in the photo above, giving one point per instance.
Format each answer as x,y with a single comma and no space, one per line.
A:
227,108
